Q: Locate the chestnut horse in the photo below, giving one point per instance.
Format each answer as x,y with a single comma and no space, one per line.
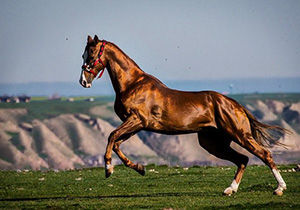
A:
145,103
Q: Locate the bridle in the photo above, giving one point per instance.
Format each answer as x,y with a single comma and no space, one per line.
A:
89,68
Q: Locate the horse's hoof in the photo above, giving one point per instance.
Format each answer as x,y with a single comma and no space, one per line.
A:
141,169
228,191
278,192
107,174
109,170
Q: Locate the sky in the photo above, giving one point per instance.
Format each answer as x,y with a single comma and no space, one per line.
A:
42,41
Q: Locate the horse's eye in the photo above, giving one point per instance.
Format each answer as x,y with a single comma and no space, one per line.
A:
91,51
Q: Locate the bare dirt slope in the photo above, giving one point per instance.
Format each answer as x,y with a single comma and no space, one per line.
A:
78,140
63,142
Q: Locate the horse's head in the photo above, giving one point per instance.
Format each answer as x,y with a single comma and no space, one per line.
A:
92,62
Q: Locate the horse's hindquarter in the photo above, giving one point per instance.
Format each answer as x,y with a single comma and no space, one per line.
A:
230,115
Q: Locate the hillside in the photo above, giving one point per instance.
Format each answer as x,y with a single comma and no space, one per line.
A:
65,135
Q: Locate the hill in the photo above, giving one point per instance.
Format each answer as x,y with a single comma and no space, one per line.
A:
66,135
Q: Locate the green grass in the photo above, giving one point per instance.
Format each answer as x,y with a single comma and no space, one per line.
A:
197,187
40,108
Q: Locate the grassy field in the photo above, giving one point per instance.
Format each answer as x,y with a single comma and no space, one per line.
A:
41,108
161,187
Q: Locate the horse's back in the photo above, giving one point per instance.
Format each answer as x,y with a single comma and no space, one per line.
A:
195,110
171,110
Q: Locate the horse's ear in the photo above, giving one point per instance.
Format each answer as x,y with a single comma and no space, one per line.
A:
89,39
96,39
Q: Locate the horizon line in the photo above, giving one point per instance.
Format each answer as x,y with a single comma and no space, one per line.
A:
207,79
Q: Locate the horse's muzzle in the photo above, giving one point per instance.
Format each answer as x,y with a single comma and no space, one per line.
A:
84,83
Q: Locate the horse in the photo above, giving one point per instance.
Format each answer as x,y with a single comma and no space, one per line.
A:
143,102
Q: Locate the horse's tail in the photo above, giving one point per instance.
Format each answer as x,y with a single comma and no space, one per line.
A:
266,135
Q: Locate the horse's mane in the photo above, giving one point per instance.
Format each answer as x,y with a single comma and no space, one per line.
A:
127,57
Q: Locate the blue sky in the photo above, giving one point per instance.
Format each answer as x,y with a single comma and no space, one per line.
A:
42,41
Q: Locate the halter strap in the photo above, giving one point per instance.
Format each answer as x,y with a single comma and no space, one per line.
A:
98,60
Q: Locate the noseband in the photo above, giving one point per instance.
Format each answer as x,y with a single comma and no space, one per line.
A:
88,68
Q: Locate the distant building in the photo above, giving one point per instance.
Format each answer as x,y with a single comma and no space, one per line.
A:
5,99
15,99
55,96
90,99
25,99
70,99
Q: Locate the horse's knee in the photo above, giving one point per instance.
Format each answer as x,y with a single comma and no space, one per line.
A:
116,147
112,136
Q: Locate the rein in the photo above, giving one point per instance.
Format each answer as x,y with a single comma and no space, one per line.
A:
97,61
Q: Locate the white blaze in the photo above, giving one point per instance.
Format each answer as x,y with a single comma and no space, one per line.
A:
85,56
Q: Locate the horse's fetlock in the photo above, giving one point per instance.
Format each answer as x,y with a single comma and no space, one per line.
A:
129,164
107,159
115,147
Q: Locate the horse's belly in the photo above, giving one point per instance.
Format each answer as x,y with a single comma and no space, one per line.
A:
181,123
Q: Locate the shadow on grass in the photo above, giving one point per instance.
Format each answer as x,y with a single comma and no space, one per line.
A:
268,205
260,188
153,195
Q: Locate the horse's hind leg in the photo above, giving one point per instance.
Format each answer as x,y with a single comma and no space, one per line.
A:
256,149
234,120
216,143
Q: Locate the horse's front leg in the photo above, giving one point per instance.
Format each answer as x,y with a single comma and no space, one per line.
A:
137,167
131,125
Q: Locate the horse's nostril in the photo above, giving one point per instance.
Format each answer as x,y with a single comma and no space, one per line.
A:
84,83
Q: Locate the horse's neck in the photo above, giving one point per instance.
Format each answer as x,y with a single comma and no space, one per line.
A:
122,70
